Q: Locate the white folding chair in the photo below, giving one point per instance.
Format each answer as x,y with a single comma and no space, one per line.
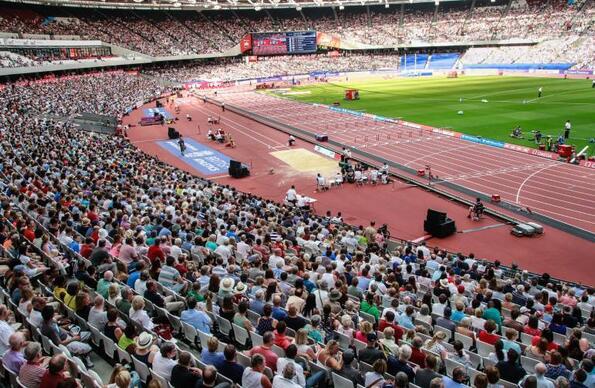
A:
529,363
162,381
341,382
204,338
466,340
240,334
484,349
278,350
190,332
109,347
224,326
256,338
123,355
142,369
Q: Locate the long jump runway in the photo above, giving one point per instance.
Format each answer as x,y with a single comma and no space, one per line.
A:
559,191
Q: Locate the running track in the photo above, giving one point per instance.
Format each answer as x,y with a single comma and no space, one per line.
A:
557,190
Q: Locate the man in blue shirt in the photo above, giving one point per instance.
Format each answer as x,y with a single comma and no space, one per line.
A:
458,379
196,318
133,277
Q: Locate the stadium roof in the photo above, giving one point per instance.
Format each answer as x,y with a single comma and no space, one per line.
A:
199,5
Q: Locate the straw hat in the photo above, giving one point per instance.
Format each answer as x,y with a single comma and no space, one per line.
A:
227,284
144,340
240,288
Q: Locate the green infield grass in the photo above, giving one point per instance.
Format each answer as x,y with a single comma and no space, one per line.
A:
491,106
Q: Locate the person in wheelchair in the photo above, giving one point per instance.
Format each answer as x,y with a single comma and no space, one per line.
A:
476,210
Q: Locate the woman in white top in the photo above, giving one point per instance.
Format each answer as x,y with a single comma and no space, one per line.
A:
375,379
459,355
138,314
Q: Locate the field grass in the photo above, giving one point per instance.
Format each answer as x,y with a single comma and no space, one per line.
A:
511,101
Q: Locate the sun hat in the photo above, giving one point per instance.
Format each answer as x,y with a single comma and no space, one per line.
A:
240,288
335,295
144,340
227,284
444,282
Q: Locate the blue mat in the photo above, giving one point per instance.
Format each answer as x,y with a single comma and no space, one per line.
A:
162,111
204,159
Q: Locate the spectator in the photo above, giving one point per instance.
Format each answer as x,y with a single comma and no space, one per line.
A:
254,376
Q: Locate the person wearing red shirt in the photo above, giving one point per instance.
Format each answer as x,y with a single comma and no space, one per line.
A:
29,232
488,335
389,321
92,215
532,326
155,252
87,248
266,351
281,340
55,373
417,355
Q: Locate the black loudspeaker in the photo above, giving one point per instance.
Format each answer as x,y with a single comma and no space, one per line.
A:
172,133
321,137
237,169
438,224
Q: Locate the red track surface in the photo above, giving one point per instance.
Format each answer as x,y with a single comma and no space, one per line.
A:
402,206
558,190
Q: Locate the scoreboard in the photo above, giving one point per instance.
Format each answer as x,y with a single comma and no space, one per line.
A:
272,43
301,42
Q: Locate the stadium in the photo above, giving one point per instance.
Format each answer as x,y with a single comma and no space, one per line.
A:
297,193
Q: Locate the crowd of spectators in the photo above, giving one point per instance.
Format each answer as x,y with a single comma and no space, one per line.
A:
133,250
277,65
179,33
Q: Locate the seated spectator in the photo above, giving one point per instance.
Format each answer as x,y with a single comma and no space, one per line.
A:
375,378
389,321
163,361
293,320
74,342
347,369
487,335
417,356
281,339
266,322
33,370
145,349
55,374
112,329
457,380
509,342
266,350
445,321
230,368
402,363
170,277
460,355
539,375
388,343
210,355
555,367
138,314
196,317
286,379
510,370
372,352
254,376
184,374
369,306
423,376
14,358
330,356
168,303
97,314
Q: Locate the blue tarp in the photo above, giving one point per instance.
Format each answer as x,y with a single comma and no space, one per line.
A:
199,156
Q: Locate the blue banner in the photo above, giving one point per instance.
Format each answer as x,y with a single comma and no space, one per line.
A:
481,140
199,156
269,79
162,111
343,110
